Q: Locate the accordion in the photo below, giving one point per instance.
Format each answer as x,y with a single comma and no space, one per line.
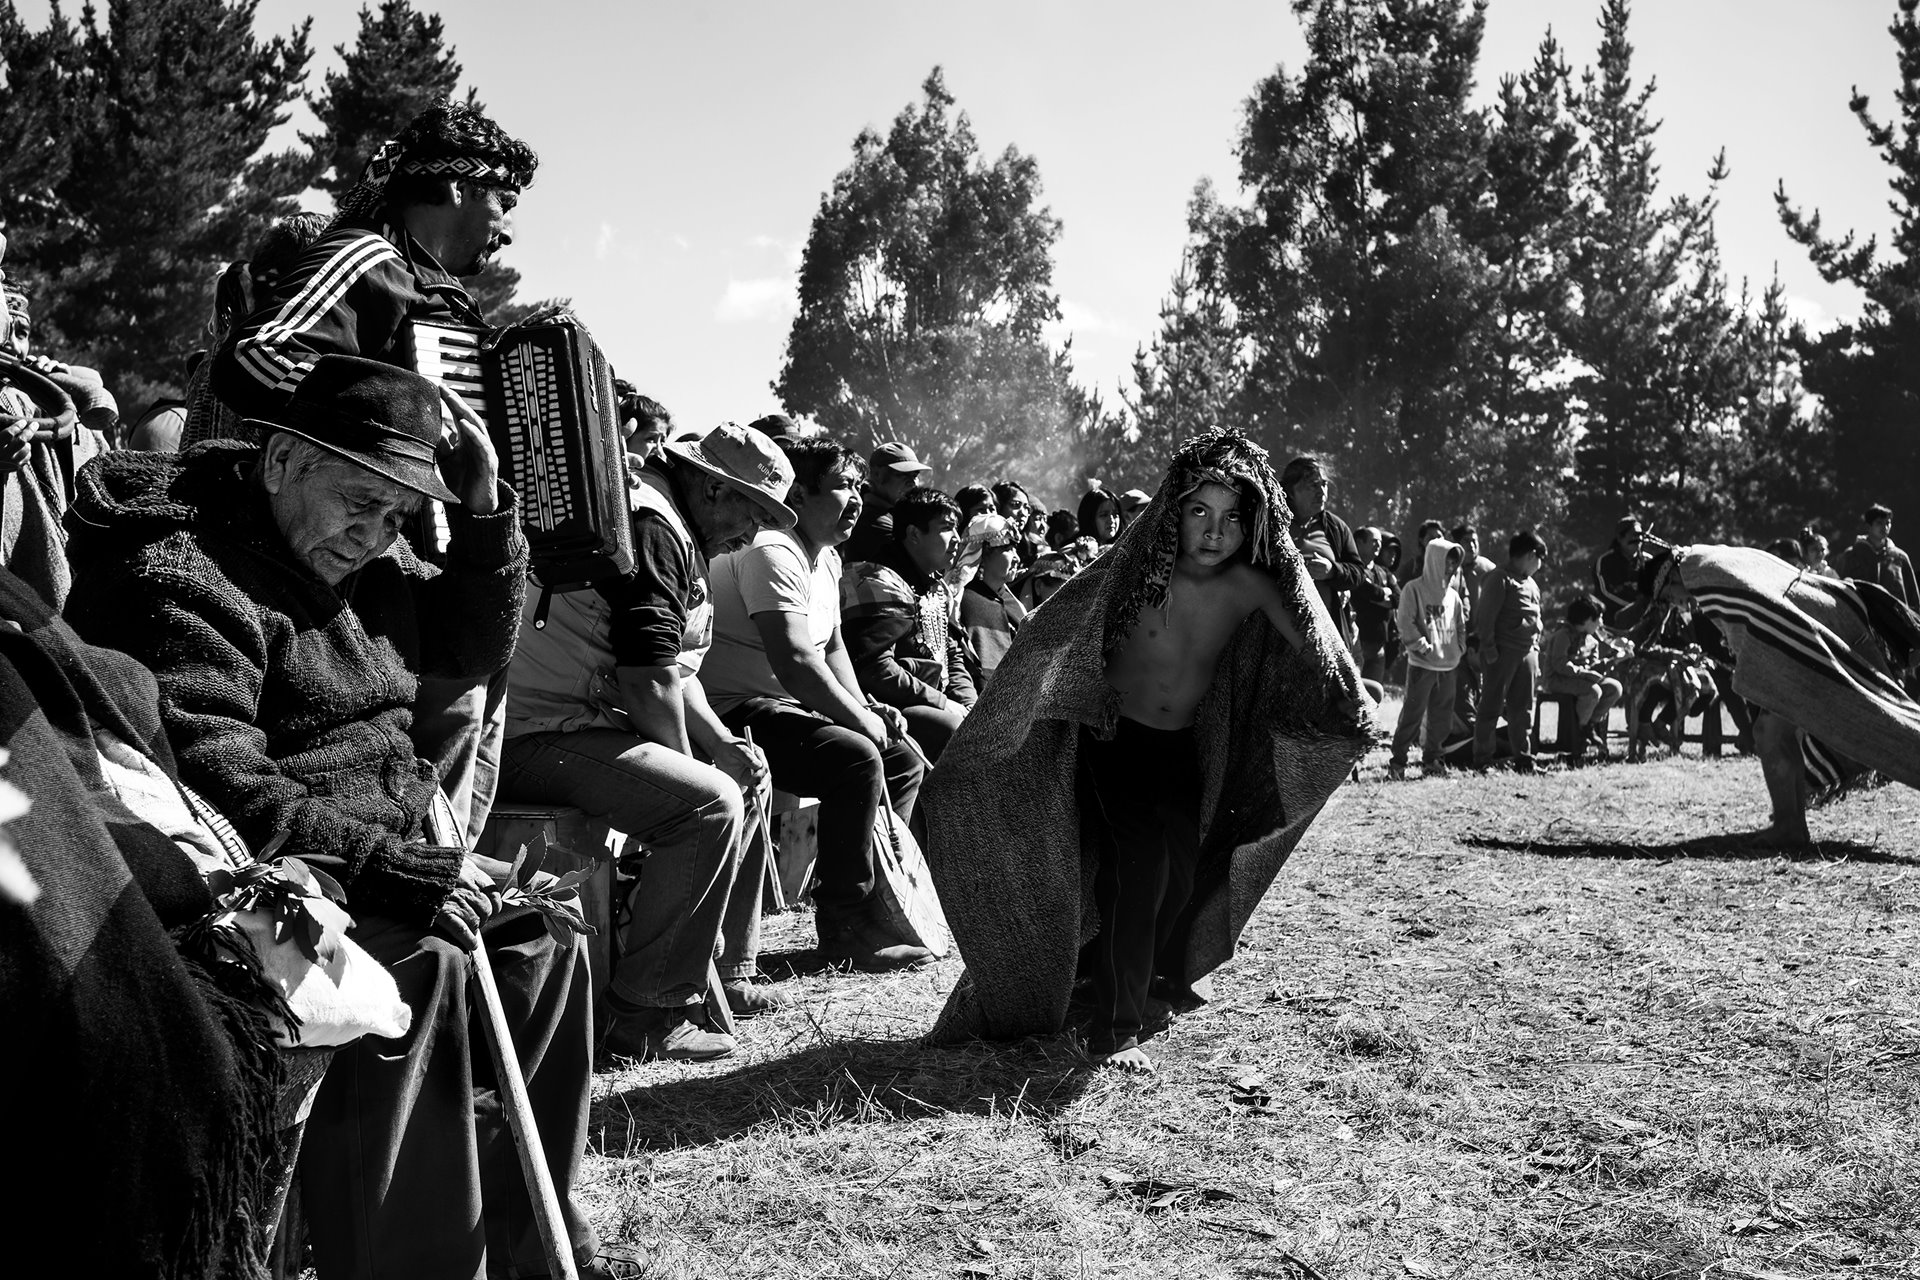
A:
545,392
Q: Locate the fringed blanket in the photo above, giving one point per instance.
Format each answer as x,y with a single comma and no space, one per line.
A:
1278,731
1814,651
139,1084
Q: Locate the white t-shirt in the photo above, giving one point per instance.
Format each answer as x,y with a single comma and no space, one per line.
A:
768,575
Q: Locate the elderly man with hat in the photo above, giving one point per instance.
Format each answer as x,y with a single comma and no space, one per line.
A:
892,470
605,712
288,625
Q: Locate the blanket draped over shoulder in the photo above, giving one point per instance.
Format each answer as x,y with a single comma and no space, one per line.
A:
1277,732
1814,650
140,1084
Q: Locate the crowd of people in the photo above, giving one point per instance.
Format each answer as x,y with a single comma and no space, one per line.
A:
289,617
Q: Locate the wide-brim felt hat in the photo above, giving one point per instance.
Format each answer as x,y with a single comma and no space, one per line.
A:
377,416
747,459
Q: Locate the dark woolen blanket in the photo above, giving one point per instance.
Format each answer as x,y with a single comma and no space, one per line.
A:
1278,731
139,1088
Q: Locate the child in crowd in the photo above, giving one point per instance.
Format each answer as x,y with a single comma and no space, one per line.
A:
1507,618
1433,628
1570,665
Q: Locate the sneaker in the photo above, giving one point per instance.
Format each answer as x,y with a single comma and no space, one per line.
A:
1397,772
857,939
679,1034
748,998
613,1262
1435,768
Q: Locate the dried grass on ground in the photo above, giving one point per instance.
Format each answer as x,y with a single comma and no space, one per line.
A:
1560,1026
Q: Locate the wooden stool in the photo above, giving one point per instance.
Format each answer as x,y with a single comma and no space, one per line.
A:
798,824
1566,721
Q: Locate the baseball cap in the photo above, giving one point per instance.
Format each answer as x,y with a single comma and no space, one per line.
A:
895,457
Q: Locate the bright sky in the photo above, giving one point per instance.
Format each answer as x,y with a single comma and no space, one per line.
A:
685,146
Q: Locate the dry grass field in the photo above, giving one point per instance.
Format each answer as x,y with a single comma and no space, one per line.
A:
1553,1026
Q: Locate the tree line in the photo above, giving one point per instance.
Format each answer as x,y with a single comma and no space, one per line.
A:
1490,312
1493,313
134,161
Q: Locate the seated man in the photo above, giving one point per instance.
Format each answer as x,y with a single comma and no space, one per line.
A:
900,621
605,711
288,628
779,668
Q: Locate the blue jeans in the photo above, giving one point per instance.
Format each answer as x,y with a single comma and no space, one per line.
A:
691,819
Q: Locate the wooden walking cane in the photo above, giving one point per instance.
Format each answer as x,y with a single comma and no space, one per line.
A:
519,1108
526,1134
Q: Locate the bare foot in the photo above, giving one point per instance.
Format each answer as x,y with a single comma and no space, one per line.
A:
1134,1061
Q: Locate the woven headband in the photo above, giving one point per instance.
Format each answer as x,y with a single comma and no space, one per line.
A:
17,304
389,159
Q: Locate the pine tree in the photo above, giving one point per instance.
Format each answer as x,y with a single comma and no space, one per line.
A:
1784,479
1351,266
1186,380
925,282
1866,372
1633,248
1516,455
171,101
399,64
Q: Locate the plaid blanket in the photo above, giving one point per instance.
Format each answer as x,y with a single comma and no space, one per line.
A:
1278,731
141,1084
1808,649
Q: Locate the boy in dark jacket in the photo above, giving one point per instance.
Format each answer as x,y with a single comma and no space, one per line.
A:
1507,620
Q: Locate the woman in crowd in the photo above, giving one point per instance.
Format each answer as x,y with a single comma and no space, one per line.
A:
1099,516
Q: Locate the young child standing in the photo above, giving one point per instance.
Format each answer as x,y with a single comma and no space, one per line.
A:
1507,617
1144,783
1570,665
1433,627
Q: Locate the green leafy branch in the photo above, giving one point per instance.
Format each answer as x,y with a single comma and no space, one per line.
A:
556,899
304,903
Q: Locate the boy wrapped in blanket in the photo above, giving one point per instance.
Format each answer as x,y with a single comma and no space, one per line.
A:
1149,752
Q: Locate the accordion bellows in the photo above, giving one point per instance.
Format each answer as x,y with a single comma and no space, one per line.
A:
546,394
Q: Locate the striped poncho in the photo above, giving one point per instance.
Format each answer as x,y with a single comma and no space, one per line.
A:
1811,650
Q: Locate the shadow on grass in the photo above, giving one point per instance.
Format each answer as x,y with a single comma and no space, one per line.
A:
1735,846
847,1081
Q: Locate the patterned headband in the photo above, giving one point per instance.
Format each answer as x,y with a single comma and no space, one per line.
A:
389,159
17,304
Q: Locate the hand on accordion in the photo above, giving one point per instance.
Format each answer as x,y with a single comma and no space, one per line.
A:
467,460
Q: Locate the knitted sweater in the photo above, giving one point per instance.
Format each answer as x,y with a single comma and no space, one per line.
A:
289,702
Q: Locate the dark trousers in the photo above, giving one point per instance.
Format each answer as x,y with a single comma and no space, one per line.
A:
1510,678
809,755
408,1171
1141,800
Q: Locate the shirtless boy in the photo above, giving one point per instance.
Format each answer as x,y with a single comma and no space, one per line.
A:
1143,785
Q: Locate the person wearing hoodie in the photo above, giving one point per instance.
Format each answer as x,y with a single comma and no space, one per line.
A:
288,625
1433,631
